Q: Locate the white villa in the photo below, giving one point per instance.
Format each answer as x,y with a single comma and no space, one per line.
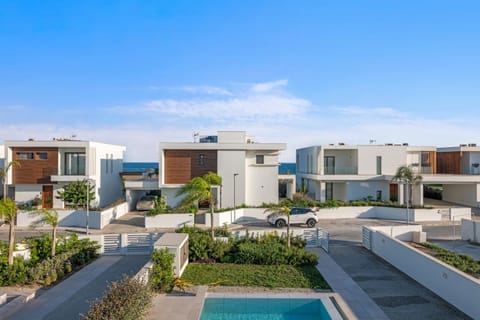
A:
46,166
249,170
353,172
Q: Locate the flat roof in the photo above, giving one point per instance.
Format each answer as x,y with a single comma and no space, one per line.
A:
222,146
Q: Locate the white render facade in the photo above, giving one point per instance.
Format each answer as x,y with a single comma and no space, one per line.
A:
355,172
46,166
255,183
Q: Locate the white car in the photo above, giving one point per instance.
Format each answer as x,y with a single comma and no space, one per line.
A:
146,203
297,216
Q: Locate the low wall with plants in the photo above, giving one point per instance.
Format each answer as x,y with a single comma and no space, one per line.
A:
42,268
169,220
456,287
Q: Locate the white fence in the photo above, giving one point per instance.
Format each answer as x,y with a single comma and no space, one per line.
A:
471,230
456,287
78,218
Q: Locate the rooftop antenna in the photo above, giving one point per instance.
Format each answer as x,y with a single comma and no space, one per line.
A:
195,136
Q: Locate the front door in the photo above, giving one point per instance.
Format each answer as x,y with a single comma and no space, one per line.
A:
47,197
393,192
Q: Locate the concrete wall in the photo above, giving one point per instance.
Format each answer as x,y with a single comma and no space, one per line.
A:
77,218
171,196
392,158
169,220
261,184
465,194
109,164
456,287
470,230
363,189
230,162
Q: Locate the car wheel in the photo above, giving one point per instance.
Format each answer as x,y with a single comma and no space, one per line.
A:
311,223
280,223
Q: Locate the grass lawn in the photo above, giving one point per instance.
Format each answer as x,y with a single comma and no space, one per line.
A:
271,276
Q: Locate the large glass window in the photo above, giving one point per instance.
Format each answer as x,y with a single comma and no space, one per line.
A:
25,155
328,191
75,164
329,165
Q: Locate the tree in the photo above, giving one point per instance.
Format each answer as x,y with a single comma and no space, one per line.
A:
283,211
49,217
8,210
405,174
75,193
201,189
4,174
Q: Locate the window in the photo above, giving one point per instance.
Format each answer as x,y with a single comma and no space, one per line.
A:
260,159
329,164
201,159
329,191
111,162
25,155
42,155
379,195
379,165
74,163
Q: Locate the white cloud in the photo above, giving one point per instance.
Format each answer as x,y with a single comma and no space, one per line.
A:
269,86
372,112
196,90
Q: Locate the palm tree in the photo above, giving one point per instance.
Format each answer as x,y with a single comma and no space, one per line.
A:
405,174
283,211
201,189
4,173
49,217
8,210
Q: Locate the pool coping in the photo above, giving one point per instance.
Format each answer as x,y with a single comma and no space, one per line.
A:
326,297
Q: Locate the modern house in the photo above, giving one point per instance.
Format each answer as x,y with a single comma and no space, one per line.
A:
249,170
2,165
46,166
354,172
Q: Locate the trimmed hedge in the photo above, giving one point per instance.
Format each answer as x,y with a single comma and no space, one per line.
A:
127,299
162,275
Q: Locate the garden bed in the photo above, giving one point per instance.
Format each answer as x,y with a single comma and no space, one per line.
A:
247,275
461,262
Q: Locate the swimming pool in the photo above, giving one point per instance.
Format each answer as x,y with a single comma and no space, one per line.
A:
224,308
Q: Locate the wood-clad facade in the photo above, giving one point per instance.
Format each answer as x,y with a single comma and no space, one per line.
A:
449,162
36,165
183,165
429,160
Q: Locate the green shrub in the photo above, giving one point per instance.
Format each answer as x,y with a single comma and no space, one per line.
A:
127,299
202,247
460,261
162,275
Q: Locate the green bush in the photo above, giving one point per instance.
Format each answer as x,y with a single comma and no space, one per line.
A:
127,299
162,275
460,261
202,247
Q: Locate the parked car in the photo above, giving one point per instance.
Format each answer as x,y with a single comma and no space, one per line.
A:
297,216
146,203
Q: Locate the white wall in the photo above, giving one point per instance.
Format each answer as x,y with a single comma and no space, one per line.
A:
27,192
470,230
456,287
308,160
169,220
109,164
357,190
170,193
261,180
345,160
230,162
392,158
466,194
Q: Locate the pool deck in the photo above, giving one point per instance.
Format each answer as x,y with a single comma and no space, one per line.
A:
168,307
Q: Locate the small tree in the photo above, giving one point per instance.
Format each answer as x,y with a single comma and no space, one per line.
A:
49,217
4,173
283,211
162,274
8,210
405,174
75,193
201,189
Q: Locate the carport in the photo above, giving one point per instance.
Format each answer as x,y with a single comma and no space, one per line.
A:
137,184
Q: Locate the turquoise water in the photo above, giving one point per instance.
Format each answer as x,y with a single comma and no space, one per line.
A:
263,309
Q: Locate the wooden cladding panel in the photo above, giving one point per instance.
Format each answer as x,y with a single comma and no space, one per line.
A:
183,165
36,170
449,162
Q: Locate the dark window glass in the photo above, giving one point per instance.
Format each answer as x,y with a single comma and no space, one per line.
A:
25,155
42,155
260,159
74,164
201,159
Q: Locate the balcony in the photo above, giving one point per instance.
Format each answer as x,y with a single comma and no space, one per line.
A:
333,170
422,169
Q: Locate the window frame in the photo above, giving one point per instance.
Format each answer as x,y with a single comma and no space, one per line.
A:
258,157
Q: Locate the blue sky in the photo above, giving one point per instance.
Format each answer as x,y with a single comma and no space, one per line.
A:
301,72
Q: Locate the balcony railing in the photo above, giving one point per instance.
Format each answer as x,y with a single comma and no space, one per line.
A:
422,170
339,170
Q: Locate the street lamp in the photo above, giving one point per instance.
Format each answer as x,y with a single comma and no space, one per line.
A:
88,204
234,193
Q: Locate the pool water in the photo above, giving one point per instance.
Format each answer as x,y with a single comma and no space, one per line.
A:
263,309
